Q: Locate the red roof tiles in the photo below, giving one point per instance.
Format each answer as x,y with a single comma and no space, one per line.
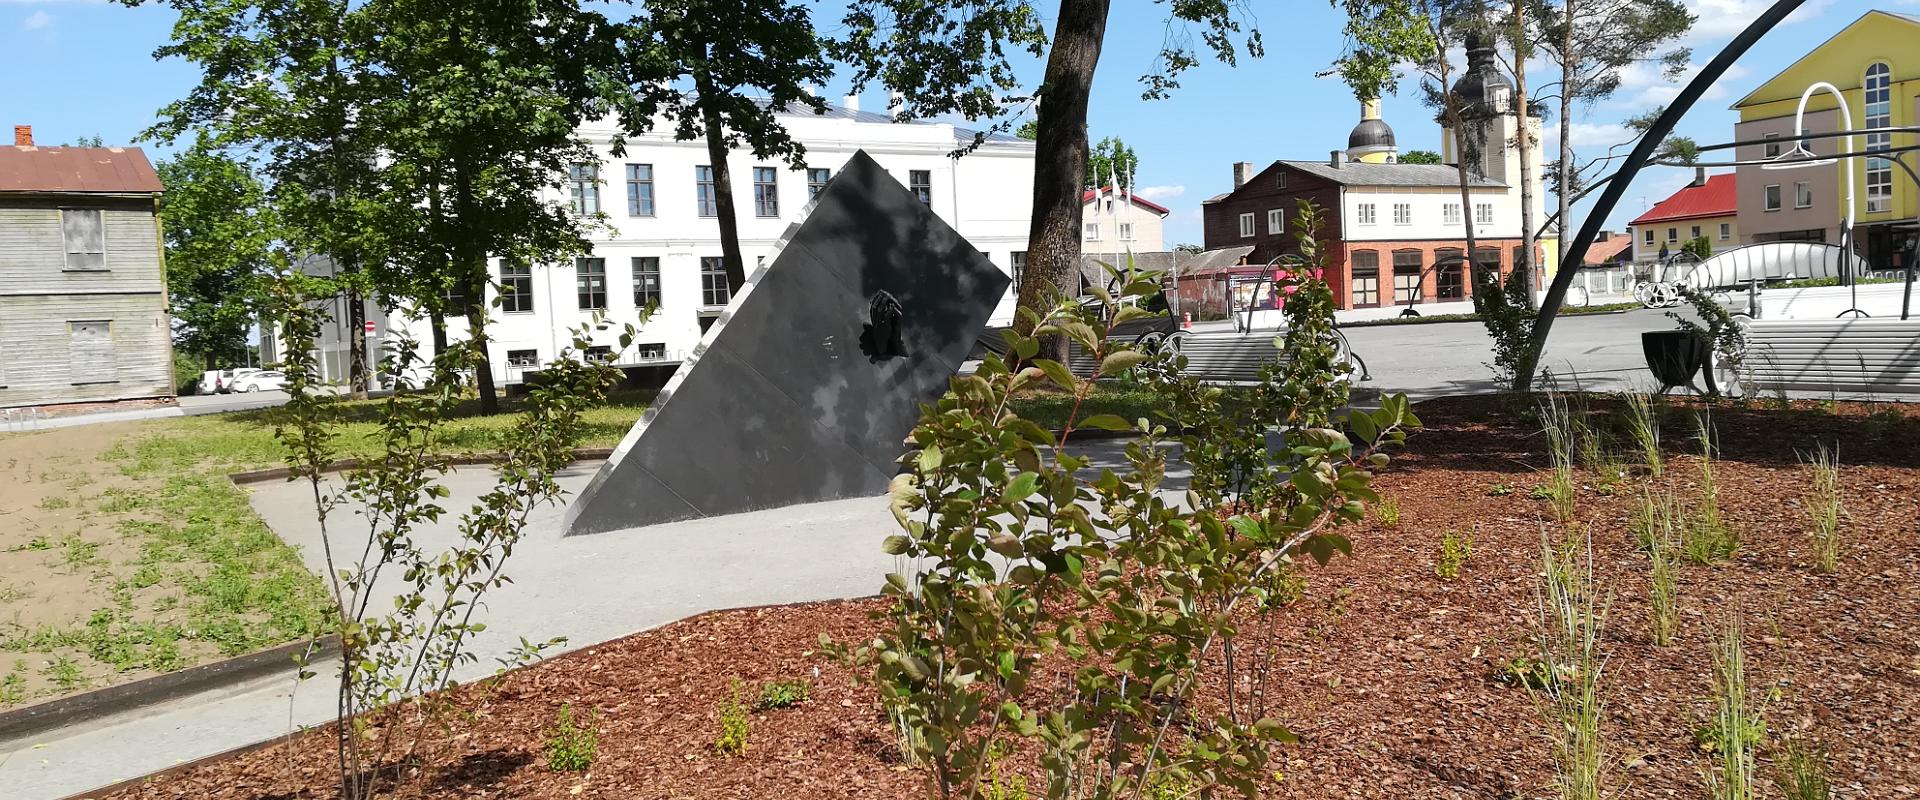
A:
81,170
1715,198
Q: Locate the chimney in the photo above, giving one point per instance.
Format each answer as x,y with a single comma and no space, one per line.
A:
814,92
1242,172
1336,158
23,136
1699,176
852,102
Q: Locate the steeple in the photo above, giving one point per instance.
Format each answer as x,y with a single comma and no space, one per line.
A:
1372,140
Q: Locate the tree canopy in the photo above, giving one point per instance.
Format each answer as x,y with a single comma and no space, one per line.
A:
1420,157
219,231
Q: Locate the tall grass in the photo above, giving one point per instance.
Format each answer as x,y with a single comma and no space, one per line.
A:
1562,438
1707,538
1736,729
1663,591
1643,427
1803,771
1569,641
1824,508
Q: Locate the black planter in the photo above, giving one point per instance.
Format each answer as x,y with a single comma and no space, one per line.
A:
1675,356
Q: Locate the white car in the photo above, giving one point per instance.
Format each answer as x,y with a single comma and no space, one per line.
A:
230,377
260,381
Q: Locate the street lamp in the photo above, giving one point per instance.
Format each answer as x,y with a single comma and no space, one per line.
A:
1800,157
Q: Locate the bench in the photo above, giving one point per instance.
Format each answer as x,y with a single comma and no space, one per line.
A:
1861,355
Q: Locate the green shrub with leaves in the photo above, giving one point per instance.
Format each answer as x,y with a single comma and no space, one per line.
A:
783,694
1728,338
571,746
734,724
1388,512
1455,549
1023,552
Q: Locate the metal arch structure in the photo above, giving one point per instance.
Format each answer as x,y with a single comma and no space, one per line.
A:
1576,252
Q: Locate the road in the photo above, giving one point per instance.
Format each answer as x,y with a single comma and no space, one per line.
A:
197,404
1593,351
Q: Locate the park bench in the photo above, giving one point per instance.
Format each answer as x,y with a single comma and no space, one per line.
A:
1859,355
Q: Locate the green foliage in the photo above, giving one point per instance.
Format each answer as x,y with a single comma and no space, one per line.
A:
1824,507
1803,771
1501,489
1455,549
1707,538
1663,592
571,746
1420,157
13,689
1700,246
1736,730
1021,551
218,226
1728,338
1387,511
1562,433
783,694
1643,427
1525,672
734,724
1506,310
1110,159
1569,641
65,674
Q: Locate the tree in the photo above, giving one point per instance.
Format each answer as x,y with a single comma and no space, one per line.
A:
1699,246
1516,29
219,229
952,57
745,62
1420,157
1109,160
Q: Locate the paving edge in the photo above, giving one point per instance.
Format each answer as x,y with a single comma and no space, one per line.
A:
471,459
31,721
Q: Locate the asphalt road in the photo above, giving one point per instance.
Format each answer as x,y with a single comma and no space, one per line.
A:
1592,351
196,404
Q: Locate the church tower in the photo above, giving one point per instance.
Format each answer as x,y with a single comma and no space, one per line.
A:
1486,108
1372,140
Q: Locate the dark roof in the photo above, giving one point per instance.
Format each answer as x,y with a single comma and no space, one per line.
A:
1715,198
1483,77
1087,197
1370,133
77,170
1361,173
834,111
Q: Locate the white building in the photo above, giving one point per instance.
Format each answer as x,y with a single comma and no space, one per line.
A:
661,240
1112,225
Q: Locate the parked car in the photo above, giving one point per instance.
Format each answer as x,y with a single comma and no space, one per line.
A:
209,382
260,380
228,377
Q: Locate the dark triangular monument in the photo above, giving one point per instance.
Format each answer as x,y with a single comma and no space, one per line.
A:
806,387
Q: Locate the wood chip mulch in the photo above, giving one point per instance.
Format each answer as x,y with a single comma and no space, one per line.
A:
1387,672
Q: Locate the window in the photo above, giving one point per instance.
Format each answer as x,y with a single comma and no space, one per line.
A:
590,282
646,281
1726,231
1695,234
1488,259
1773,198
766,192
1126,231
1019,259
1366,214
650,351
600,354
816,181
1772,147
516,287
1246,224
1673,234
1803,195
1483,213
714,290
1449,274
1402,214
1366,278
583,183
1276,222
523,358
1280,180
1450,213
1649,237
705,200
1879,95
84,231
639,190
90,352
1406,276
1090,231
921,182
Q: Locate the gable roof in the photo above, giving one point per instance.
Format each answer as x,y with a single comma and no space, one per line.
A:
1087,197
1362,173
1715,198
1786,85
77,170
1609,251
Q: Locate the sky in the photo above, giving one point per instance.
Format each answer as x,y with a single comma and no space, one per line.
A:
75,68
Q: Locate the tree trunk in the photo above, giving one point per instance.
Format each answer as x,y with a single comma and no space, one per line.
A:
1053,241
1569,66
469,267
722,188
1523,143
357,347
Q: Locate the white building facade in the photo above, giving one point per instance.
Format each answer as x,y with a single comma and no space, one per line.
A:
660,241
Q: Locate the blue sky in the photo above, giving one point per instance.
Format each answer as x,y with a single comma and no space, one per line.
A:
83,67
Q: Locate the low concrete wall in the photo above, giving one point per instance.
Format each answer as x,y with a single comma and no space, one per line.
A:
1826,302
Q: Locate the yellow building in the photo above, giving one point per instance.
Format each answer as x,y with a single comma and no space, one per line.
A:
1875,64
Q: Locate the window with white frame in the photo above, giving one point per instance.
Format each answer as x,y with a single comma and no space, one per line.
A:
516,287
766,192
1090,231
1803,195
1246,224
83,230
921,182
1649,237
817,180
1366,214
1403,213
1726,231
646,281
1126,231
705,200
583,186
714,289
590,283
1365,289
1695,234
1018,260
1450,214
1483,213
1772,147
523,359
1276,222
639,190
1879,96
1772,200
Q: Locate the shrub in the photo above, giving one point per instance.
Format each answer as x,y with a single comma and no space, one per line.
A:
1455,549
570,746
783,694
1824,508
1388,512
1501,489
734,724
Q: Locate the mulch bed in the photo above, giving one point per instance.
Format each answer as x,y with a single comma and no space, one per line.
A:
1387,672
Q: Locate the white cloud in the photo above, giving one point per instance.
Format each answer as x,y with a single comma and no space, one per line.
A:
37,20
1720,19
1158,193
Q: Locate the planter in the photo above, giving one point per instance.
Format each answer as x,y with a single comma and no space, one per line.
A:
1674,357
